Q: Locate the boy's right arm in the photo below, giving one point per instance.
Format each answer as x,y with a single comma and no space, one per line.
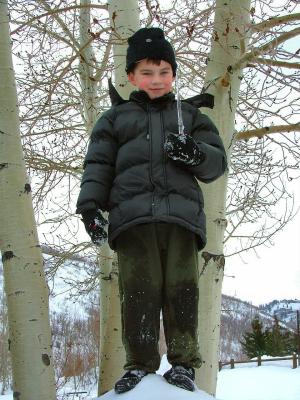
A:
99,169
202,153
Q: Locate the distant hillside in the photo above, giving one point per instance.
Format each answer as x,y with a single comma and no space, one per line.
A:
236,319
285,310
237,316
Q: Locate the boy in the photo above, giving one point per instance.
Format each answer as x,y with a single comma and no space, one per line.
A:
139,169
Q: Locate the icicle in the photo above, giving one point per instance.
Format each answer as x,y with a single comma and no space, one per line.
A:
179,110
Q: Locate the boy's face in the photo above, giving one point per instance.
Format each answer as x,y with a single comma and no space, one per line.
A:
155,80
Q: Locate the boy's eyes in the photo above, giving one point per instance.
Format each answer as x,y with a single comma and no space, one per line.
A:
150,73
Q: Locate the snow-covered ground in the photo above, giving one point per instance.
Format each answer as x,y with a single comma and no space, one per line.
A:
272,381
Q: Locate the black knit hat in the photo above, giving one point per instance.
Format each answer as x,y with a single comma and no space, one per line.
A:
149,43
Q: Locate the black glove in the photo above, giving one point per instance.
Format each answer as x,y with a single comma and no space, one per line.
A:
95,223
184,149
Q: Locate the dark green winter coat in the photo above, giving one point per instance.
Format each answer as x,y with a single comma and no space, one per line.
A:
128,173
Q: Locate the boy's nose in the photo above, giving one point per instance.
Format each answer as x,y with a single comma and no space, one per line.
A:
155,79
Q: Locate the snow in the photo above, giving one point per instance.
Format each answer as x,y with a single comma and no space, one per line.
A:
153,387
272,381
259,383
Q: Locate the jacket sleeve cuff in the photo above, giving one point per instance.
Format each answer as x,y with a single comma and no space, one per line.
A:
213,165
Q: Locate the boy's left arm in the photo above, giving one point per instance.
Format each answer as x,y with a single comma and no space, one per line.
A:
203,154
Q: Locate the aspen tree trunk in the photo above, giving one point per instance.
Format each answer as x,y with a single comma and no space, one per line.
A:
4,352
87,69
24,281
124,20
124,17
228,43
111,349
111,355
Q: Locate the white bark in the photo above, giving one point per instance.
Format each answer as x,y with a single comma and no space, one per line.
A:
25,286
5,365
87,69
229,38
112,354
124,17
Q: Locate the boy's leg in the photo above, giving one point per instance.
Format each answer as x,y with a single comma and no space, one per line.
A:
140,283
180,297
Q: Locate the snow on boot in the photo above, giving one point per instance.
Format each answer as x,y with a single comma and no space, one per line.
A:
129,380
182,377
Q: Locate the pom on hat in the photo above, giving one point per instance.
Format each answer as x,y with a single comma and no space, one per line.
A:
149,43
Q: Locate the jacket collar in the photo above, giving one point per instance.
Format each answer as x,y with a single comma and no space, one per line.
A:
139,96
201,100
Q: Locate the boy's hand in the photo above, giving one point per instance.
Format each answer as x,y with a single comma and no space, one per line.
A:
184,149
94,224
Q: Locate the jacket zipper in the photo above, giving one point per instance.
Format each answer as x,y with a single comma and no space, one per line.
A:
164,162
150,167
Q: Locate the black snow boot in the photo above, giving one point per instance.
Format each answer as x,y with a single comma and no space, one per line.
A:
182,377
129,380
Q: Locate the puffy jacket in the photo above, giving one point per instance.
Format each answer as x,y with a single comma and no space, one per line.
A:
128,173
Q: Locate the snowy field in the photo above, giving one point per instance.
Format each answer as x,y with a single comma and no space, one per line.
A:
272,381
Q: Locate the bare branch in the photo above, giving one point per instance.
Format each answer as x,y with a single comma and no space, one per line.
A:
275,21
260,132
56,11
256,51
52,251
62,24
275,63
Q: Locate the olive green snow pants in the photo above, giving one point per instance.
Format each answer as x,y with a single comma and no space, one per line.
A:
158,270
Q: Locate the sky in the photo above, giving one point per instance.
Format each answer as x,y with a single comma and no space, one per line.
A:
274,273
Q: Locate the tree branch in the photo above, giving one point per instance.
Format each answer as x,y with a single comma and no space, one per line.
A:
270,23
52,251
62,24
256,51
260,132
282,64
101,68
44,30
56,11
